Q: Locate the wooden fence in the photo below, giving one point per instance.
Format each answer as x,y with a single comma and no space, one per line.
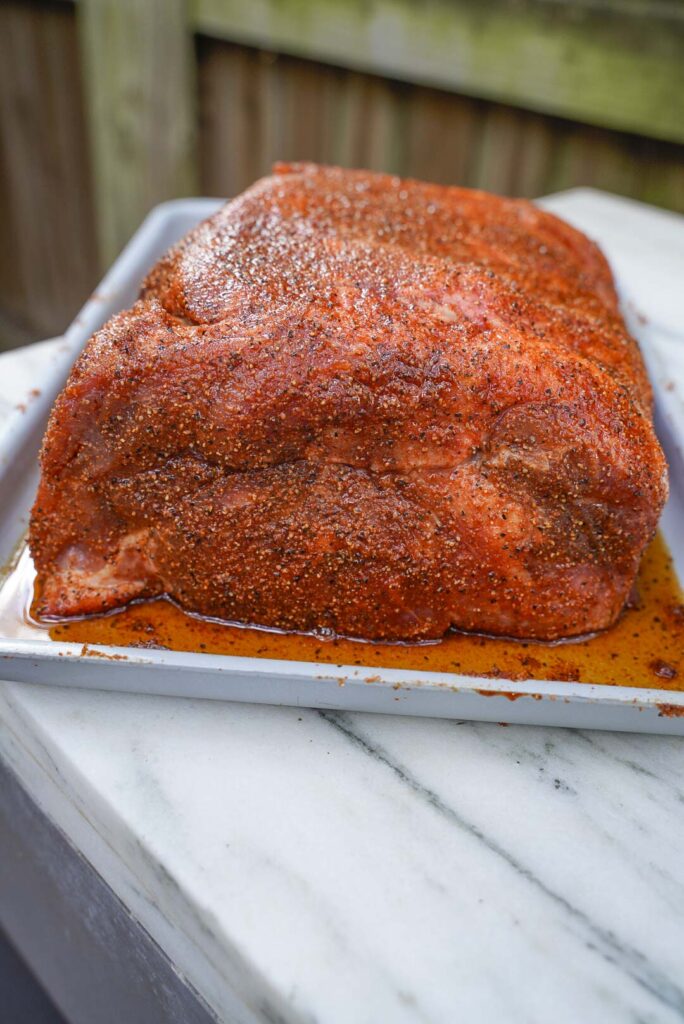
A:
110,106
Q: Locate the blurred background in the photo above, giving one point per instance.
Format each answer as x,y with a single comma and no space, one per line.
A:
108,107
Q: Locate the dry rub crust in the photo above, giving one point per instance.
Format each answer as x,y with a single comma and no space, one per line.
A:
362,404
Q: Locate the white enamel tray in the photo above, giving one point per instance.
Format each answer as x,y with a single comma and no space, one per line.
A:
343,687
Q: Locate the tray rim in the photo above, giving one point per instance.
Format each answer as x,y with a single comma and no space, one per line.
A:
342,675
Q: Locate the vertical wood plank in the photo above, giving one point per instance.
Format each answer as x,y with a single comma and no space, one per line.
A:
592,157
441,136
47,257
138,66
270,126
535,155
661,176
229,116
499,149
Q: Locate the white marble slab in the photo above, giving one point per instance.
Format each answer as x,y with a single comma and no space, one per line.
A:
303,866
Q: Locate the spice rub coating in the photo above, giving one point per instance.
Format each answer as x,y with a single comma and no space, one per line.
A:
362,404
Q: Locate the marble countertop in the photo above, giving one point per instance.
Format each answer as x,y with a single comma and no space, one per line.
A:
304,866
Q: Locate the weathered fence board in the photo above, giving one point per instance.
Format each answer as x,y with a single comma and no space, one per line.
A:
47,256
615,63
175,102
140,99
257,107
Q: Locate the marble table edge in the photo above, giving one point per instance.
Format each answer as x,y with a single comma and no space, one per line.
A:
227,981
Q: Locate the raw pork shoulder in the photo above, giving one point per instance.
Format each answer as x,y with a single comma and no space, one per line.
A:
354,403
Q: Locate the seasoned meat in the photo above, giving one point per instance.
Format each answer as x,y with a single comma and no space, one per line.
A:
354,403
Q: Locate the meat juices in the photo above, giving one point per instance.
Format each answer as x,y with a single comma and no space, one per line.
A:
354,403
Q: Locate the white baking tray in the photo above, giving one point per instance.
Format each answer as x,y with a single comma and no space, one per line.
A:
286,682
